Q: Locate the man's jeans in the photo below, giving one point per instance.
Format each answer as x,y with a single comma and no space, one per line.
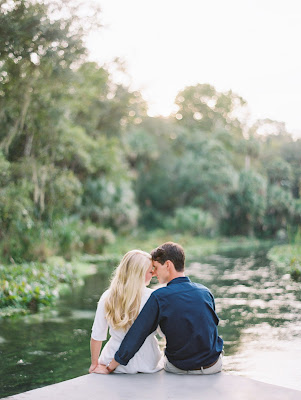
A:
217,367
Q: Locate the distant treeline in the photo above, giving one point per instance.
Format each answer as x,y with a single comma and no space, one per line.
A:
80,159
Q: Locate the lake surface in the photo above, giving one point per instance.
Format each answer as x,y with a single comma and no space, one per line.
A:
260,321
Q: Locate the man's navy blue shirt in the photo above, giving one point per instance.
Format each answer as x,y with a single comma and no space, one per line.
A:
185,312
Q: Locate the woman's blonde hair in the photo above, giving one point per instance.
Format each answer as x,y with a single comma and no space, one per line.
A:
125,292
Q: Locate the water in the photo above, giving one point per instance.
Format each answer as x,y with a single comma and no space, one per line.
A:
260,316
258,306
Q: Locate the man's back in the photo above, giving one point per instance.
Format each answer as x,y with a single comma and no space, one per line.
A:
187,318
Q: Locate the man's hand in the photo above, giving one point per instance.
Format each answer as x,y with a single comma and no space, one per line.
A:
101,369
92,368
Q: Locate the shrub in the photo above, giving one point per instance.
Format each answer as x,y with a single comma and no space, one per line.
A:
109,204
288,257
28,286
94,239
66,233
193,220
26,243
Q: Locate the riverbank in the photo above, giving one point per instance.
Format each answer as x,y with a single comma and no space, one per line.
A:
288,258
29,288
195,246
258,307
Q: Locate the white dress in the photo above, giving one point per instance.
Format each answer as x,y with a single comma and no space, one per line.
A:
148,358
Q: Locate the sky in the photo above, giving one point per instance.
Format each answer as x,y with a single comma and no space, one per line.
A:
249,46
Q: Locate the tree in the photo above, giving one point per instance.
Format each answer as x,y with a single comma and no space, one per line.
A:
204,174
291,152
204,108
250,148
280,209
279,173
36,56
100,106
53,135
247,205
177,168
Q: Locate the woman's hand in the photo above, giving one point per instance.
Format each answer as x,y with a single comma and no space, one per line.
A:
95,346
101,369
92,368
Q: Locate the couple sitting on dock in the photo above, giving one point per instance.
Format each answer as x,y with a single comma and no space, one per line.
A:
182,310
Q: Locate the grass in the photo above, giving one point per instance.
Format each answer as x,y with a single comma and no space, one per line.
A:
288,257
194,246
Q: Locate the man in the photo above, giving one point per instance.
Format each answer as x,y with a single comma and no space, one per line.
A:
185,312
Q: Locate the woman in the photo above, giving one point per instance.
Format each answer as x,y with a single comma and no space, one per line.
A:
117,309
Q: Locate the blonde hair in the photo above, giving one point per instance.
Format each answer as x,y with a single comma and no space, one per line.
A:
123,302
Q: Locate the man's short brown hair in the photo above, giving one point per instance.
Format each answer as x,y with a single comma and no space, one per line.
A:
170,251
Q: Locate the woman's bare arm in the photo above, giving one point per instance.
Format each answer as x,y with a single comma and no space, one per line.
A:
95,347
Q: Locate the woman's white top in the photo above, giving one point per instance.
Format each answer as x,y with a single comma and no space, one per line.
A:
148,358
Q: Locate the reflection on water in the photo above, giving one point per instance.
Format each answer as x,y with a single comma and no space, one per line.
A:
53,346
259,312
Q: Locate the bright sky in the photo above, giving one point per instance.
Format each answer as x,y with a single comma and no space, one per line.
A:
249,46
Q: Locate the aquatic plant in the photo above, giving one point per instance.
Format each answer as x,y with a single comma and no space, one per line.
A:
26,287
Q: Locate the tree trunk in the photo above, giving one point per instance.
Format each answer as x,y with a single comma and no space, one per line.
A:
19,124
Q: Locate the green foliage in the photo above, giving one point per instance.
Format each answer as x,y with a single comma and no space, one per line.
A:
66,234
100,106
140,146
279,172
297,212
191,220
295,269
37,52
291,152
64,193
205,176
180,168
110,204
16,207
95,239
247,205
29,286
4,170
17,224
203,107
280,208
57,115
279,200
249,147
108,261
288,257
81,162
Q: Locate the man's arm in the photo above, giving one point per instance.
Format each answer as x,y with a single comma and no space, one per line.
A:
146,323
